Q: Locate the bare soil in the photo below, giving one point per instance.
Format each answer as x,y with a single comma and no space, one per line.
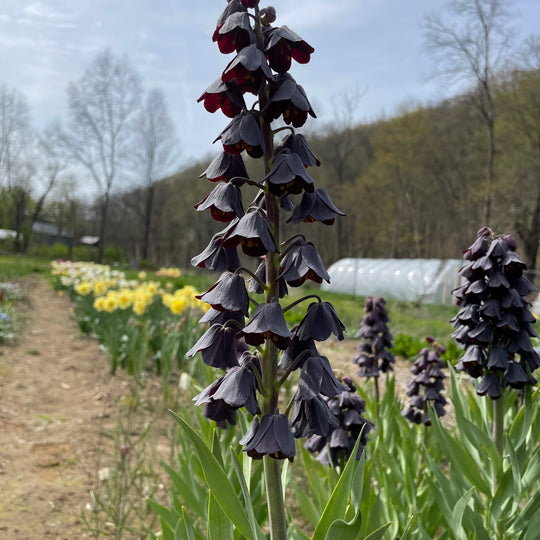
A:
56,398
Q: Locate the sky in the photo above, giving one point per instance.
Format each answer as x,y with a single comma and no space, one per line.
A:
373,47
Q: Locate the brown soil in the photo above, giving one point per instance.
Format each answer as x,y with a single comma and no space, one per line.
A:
56,398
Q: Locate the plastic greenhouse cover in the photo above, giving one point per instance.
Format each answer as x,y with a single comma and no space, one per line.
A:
422,280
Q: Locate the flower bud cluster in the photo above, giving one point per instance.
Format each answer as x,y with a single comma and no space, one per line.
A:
373,354
338,445
426,387
238,322
494,323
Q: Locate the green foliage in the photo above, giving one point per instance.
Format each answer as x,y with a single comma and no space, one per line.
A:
406,346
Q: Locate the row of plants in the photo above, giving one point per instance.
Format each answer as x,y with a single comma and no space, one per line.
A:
11,294
142,324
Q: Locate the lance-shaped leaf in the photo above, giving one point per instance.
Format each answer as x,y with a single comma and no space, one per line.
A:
216,256
228,294
234,34
288,100
224,96
267,322
282,44
288,175
225,167
316,206
297,144
224,202
303,262
272,437
252,232
319,322
217,347
243,133
249,69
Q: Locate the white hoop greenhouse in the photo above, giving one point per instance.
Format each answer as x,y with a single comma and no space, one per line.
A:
421,280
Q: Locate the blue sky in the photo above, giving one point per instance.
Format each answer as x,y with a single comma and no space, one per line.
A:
374,45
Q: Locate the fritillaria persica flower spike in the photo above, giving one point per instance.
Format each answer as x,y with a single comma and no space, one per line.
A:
249,340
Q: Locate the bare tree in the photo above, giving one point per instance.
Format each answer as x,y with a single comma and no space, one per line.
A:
154,154
472,46
101,104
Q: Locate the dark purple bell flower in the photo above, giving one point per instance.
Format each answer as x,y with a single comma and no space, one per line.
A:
252,232
249,69
220,413
224,202
243,133
272,437
233,6
216,256
297,353
267,322
312,417
224,96
237,388
250,3
282,44
315,206
319,322
255,287
288,175
489,385
289,101
225,167
516,377
297,144
234,34
217,347
317,377
302,262
228,294
214,316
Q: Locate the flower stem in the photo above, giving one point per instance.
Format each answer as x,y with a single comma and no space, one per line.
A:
498,433
274,497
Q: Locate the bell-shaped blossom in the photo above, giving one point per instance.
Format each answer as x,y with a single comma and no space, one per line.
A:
228,294
233,6
215,316
317,377
249,69
297,144
494,324
282,44
217,347
315,206
235,33
216,256
267,322
252,232
243,133
225,167
312,417
220,413
319,322
288,175
289,101
224,96
297,353
302,262
271,437
224,202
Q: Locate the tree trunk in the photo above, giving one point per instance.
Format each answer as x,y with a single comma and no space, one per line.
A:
147,220
102,227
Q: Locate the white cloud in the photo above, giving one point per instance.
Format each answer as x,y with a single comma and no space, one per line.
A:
37,9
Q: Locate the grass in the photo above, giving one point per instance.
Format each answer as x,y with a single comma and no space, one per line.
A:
17,266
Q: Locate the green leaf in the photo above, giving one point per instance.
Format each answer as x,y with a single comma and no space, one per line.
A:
184,489
336,505
343,530
309,510
190,534
219,525
532,472
217,480
379,533
255,529
459,510
165,514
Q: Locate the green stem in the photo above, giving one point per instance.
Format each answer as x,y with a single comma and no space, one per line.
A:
274,497
498,433
377,394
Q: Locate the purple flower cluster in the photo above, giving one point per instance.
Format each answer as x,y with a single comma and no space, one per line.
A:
494,324
338,444
238,322
373,354
426,387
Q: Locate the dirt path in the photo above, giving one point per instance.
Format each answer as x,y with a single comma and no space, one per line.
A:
56,394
